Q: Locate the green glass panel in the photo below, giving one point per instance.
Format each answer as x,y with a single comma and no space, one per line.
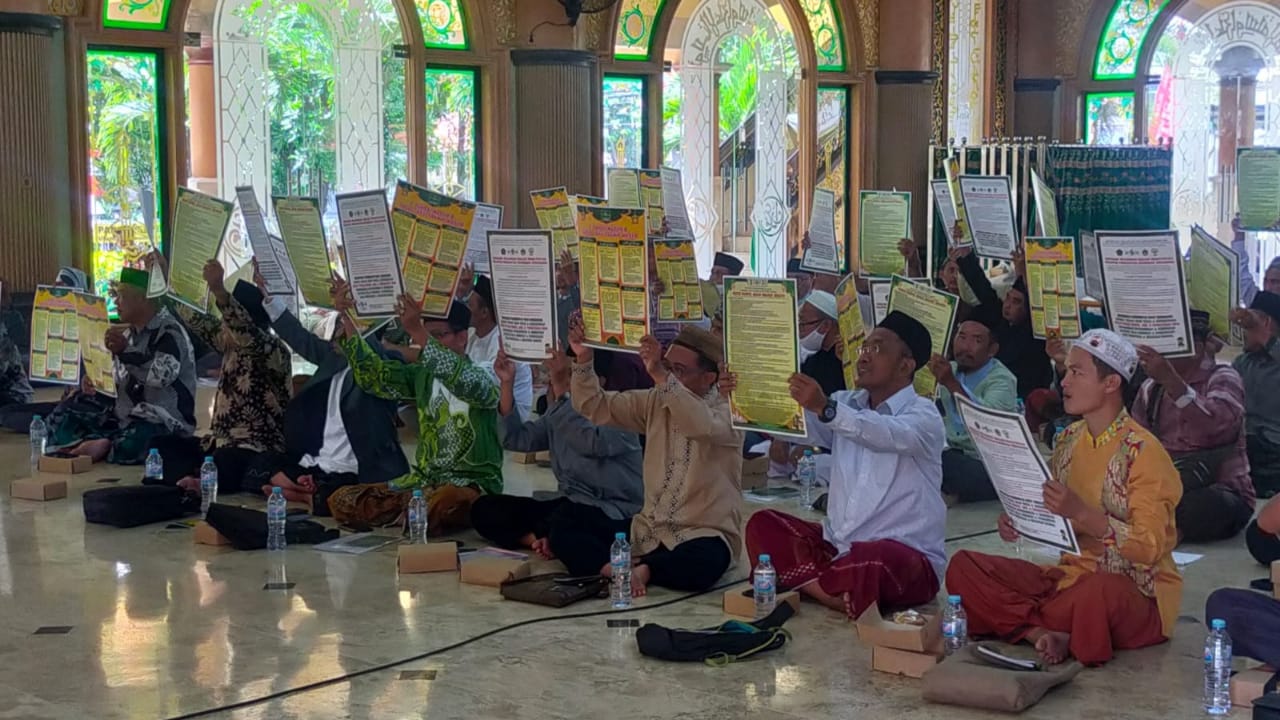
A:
451,95
636,22
1123,36
443,24
1108,118
135,14
623,130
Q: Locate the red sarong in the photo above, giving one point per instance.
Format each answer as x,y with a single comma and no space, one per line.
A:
1007,598
883,571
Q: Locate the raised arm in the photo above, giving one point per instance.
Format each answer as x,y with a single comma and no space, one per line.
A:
588,439
973,274
624,410
696,418
1220,410
520,436
290,330
917,431
1248,289
468,382
382,378
238,323
203,325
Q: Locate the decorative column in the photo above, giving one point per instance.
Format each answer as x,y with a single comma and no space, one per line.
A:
1237,99
555,124
202,118
905,87
1036,85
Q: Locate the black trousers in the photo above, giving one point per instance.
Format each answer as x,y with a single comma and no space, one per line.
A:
268,464
239,470
1264,548
1211,513
965,477
1264,466
17,418
576,532
692,566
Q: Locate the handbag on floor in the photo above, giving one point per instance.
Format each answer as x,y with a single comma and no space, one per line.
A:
1267,707
246,528
716,646
1005,679
555,590
134,505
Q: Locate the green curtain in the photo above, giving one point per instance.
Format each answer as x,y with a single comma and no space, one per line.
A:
1110,188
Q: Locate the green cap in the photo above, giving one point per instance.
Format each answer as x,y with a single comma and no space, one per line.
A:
140,279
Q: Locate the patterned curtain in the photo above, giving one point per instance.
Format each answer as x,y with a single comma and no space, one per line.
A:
1110,188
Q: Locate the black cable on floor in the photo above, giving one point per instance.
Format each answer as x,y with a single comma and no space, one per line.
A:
448,648
463,643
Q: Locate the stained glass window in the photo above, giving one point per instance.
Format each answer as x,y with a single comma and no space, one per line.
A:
1122,38
443,25
452,96
824,25
1108,118
135,14
623,121
636,22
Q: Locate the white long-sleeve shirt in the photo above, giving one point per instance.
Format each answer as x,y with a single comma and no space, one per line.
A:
886,473
483,351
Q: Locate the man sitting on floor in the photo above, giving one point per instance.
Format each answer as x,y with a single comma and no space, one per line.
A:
1195,407
978,376
1259,368
484,338
1116,484
882,541
458,456
253,390
335,433
597,472
155,377
690,528
1263,534
1253,622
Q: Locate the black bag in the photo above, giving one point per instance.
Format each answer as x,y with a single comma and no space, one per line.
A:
133,505
716,646
1267,707
246,528
555,590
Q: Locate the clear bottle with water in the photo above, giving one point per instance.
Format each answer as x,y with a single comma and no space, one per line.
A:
807,476
620,564
276,511
764,586
208,485
955,626
39,437
1217,669
153,470
418,519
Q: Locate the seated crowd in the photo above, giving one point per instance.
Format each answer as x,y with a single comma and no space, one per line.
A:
1148,452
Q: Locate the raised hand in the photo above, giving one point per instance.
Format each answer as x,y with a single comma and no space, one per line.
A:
1007,531
728,381
340,292
651,356
504,368
409,312
806,391
214,277
578,339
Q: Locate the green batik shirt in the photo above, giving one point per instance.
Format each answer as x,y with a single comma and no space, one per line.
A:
457,413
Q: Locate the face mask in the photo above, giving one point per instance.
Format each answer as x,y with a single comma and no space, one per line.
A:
812,342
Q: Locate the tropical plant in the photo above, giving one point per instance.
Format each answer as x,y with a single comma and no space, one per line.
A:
451,155
121,113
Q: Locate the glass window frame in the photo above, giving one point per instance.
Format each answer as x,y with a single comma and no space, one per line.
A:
477,78
847,239
1119,92
645,156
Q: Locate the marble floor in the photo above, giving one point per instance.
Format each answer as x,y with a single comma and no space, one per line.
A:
157,627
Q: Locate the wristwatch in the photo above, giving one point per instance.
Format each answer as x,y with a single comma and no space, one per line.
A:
828,412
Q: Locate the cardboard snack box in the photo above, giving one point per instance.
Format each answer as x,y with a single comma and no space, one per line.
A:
432,557
739,602
205,534
902,662
38,488
1248,685
488,571
66,465
881,632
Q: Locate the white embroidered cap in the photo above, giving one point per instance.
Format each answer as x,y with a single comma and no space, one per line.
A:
1119,354
824,302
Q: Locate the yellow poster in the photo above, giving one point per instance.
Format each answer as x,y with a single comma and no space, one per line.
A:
1213,280
554,214
936,310
53,311
436,246
681,299
852,330
1051,287
615,276
199,222
92,325
762,347
651,199
302,229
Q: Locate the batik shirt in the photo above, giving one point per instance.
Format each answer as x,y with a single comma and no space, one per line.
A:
14,387
457,404
156,376
254,386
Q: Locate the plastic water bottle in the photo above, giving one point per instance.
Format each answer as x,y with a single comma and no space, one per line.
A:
418,519
764,586
955,626
275,520
807,475
1217,669
153,471
208,485
620,563
39,436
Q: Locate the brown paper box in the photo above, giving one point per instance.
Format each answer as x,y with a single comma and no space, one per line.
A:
755,473
488,571
878,631
543,456
38,488
1247,686
739,602
206,535
524,458
66,466
902,662
432,557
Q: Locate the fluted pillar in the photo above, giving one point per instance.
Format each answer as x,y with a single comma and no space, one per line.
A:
556,124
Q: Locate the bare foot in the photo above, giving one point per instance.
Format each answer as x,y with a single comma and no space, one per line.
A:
1054,647
640,575
190,483
95,449
298,496
283,482
542,546
306,483
814,591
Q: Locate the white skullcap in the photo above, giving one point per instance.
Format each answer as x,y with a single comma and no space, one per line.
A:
824,302
1118,354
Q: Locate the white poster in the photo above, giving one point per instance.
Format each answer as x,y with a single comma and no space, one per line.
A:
1143,289
946,209
523,273
823,254
988,203
678,225
880,299
487,217
1092,265
271,261
1018,473
369,249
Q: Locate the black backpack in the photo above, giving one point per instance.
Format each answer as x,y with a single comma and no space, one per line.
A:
716,646
246,528
1267,707
134,505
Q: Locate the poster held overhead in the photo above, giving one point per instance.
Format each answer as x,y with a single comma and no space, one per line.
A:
762,347
623,187
673,204
884,221
853,332
524,290
1258,187
555,214
988,203
1144,291
369,253
302,231
946,209
1092,264
487,218
1213,280
1051,287
439,225
1046,207
936,310
199,224
614,271
823,254
270,264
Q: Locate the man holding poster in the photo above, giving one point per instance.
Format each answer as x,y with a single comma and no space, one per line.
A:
762,347
1116,485
882,541
1144,291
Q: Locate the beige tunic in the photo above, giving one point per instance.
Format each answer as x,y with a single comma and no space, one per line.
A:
692,459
